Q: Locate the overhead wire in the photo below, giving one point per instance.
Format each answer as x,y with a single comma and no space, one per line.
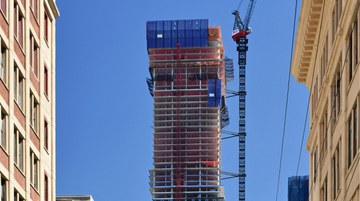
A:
311,90
328,123
286,102
308,104
239,5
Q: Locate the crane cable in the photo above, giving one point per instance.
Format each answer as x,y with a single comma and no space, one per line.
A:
240,3
286,103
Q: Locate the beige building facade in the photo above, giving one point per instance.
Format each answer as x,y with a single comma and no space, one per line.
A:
326,60
27,100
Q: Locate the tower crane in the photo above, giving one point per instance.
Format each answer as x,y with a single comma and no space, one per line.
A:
240,31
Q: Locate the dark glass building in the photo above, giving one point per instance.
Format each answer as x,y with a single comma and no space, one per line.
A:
298,188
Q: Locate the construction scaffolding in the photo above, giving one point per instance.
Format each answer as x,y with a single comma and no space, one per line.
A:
188,86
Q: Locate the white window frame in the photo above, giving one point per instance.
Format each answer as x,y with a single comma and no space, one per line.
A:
48,35
3,128
3,61
34,113
18,196
19,87
34,62
46,135
352,143
19,150
46,188
335,169
19,15
46,81
2,178
34,170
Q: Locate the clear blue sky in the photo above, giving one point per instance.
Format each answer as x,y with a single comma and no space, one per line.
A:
104,110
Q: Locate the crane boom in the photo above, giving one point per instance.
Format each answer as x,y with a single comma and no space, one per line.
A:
249,13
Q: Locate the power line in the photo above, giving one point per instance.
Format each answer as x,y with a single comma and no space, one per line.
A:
287,101
240,3
311,88
328,123
308,105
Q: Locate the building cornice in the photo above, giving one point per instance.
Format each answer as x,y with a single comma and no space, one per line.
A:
54,8
305,45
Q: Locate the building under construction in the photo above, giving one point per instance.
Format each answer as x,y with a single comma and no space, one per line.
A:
188,76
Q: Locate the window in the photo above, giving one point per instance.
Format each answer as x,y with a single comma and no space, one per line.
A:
353,50
324,59
19,148
3,62
19,87
336,96
333,27
34,170
323,133
46,81
46,135
338,93
350,56
17,196
3,129
46,188
3,4
34,56
34,7
352,135
324,191
18,25
349,141
315,163
356,43
335,163
315,96
34,112
355,130
47,23
3,189
336,15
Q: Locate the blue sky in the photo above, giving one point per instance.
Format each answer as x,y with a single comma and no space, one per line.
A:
104,110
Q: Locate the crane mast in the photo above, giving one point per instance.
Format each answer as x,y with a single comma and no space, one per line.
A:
242,48
240,31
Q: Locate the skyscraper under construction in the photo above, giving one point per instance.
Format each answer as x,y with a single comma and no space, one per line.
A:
188,84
